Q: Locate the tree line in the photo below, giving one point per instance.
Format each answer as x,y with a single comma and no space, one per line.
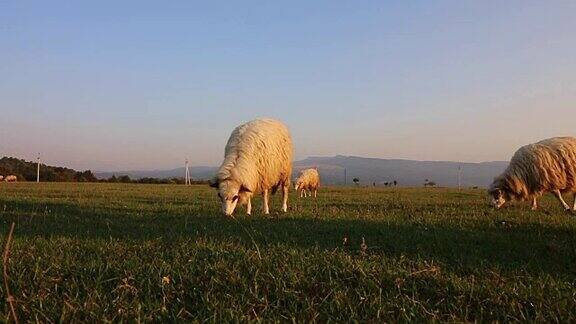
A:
127,179
26,171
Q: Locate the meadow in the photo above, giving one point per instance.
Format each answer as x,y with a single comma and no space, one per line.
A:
113,252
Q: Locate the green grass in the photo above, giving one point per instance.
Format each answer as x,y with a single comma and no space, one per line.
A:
85,252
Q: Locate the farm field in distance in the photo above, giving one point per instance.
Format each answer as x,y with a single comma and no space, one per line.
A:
85,252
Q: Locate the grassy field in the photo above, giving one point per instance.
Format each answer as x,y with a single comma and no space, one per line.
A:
163,253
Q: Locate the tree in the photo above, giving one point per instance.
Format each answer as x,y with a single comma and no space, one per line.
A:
88,176
124,179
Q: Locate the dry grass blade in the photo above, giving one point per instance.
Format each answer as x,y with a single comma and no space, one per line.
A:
251,238
9,297
363,247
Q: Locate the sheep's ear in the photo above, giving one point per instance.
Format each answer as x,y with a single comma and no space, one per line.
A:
245,189
214,183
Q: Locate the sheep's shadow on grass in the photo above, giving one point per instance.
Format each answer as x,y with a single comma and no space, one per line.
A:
524,247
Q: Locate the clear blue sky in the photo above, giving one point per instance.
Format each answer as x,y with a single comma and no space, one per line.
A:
111,85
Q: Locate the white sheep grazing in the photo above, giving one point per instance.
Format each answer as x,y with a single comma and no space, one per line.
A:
11,178
308,179
258,159
546,166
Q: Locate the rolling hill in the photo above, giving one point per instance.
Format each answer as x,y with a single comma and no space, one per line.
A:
367,170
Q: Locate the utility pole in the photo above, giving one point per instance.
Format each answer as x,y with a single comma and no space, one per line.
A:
187,180
460,177
345,177
38,170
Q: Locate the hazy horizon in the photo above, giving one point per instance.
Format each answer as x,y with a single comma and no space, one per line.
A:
297,160
140,85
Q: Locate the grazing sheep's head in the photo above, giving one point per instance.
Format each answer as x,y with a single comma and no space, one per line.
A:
230,193
499,197
297,185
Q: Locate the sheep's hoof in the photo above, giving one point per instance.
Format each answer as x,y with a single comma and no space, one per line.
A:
569,211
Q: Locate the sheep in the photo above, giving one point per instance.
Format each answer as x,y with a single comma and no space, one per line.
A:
11,178
308,179
258,159
546,166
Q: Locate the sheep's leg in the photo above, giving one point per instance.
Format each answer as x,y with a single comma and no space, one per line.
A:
265,205
534,203
285,190
304,193
558,195
249,206
574,202
315,193
301,193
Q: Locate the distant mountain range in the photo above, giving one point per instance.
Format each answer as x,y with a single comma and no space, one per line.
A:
343,169
197,173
